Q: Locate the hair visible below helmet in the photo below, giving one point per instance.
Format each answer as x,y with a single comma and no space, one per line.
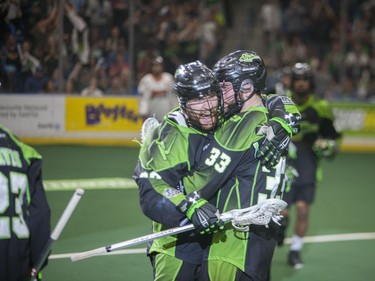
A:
196,81
302,70
241,68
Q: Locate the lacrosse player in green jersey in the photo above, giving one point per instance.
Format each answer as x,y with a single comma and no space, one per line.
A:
24,210
318,139
162,170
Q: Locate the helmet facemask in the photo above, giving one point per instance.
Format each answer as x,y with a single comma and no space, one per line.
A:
203,113
199,96
302,80
232,102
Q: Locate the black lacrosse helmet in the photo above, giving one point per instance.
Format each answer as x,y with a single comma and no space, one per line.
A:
241,68
196,81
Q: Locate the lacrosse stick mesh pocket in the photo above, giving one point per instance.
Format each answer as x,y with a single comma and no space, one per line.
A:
148,125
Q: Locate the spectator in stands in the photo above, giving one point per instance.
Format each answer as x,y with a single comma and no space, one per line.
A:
69,88
10,64
270,15
145,58
322,14
29,62
155,92
296,20
92,89
119,68
113,41
116,88
79,35
357,65
50,87
35,83
43,28
51,56
99,13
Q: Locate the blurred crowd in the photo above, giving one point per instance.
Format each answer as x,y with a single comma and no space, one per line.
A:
340,52
95,50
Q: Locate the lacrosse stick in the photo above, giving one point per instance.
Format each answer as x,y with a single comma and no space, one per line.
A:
148,125
260,214
56,232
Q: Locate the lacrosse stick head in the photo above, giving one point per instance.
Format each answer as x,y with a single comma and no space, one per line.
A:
260,214
148,126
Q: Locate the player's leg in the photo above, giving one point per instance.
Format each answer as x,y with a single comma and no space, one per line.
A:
169,268
302,218
214,270
306,197
304,187
221,270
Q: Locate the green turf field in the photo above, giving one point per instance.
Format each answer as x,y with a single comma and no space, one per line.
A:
105,216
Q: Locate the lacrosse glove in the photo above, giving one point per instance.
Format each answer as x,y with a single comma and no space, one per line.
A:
204,216
324,148
275,144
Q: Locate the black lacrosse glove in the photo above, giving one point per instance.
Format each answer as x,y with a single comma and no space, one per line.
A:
324,148
274,145
204,216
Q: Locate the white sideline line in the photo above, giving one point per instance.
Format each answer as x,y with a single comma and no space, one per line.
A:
336,237
307,239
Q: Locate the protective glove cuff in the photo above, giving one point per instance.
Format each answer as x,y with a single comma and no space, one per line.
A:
283,124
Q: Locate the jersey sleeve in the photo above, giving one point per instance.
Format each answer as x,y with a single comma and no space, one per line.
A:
163,161
284,111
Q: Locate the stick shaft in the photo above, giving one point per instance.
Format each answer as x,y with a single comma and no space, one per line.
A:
118,246
132,242
67,213
227,216
57,231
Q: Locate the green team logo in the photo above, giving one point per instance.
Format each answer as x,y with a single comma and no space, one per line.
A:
248,57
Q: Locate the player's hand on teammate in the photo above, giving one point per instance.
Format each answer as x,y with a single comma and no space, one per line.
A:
204,216
275,144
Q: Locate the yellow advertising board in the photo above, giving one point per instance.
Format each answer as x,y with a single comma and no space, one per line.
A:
102,114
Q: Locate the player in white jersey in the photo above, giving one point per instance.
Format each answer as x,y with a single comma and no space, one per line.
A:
155,92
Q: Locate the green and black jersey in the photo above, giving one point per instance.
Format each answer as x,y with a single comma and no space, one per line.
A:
236,180
24,210
171,152
317,122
